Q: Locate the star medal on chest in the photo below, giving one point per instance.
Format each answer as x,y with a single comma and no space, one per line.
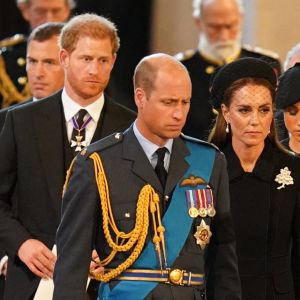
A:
79,143
203,234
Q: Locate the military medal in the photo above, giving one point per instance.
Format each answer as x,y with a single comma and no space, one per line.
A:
79,143
206,203
210,203
191,202
203,234
202,211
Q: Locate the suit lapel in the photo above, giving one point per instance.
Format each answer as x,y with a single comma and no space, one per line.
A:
132,150
48,125
110,120
141,166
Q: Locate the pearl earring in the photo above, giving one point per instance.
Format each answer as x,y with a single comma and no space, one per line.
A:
227,127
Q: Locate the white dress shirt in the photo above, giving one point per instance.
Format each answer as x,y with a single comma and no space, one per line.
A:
71,108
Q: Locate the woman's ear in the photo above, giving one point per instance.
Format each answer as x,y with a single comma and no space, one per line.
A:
225,112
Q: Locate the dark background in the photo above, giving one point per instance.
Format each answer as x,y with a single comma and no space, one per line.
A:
132,17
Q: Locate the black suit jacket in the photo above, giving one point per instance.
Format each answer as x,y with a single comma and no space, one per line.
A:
3,112
128,170
32,176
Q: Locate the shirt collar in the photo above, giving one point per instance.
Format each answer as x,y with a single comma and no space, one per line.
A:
149,147
71,108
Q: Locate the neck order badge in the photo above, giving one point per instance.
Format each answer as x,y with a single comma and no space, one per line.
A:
78,134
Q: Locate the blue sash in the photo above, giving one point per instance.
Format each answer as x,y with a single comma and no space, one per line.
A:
201,162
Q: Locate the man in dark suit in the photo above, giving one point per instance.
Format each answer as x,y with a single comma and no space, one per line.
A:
44,71
14,86
150,171
45,76
40,139
219,23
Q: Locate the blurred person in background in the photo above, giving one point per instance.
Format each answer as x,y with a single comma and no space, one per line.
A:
14,86
288,102
219,23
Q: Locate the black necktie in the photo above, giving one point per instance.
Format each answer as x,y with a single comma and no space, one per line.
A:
79,133
160,168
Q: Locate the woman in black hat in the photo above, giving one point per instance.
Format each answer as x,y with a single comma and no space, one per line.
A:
288,99
264,181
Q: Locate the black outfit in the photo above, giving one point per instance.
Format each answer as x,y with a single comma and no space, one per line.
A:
285,144
267,225
128,170
35,154
3,112
201,116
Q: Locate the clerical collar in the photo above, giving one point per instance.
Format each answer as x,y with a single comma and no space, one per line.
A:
71,107
149,147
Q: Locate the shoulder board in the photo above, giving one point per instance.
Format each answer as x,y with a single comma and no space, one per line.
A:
185,55
102,144
13,40
197,141
261,51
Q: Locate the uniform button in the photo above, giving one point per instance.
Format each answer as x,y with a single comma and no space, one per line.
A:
21,61
22,80
167,198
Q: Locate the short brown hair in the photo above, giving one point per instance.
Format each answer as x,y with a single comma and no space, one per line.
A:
46,31
90,25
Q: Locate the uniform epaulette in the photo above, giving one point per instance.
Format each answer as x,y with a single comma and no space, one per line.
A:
185,54
261,51
194,140
13,40
104,143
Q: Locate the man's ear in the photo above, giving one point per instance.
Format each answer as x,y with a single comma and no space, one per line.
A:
64,57
198,24
139,97
24,9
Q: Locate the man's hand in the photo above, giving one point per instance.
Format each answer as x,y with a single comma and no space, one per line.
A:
4,269
38,258
3,265
94,266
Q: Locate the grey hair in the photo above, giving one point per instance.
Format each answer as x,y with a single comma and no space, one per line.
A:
292,52
71,3
197,5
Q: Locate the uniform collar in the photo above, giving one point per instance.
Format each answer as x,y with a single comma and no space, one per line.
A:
263,168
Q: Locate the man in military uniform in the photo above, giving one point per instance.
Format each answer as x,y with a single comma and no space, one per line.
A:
219,23
14,87
150,173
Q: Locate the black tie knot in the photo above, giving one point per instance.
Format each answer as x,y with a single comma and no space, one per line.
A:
161,154
80,117
160,166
